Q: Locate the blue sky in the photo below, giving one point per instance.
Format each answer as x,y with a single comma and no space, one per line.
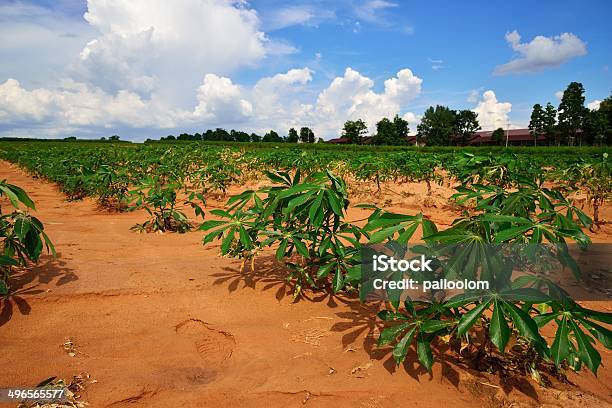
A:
147,68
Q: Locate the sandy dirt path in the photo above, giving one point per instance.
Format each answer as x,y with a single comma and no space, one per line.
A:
161,321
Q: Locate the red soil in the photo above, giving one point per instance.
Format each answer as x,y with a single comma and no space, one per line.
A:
158,320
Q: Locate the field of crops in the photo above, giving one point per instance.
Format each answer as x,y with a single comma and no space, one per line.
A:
297,219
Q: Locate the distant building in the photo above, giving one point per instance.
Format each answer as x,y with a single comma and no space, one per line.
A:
516,137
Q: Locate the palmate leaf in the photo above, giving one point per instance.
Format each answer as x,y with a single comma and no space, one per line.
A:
587,353
338,281
389,334
5,189
389,224
16,195
470,318
603,334
401,348
498,328
424,353
560,348
21,227
433,326
525,325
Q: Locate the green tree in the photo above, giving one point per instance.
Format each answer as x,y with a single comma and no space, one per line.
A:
392,133
354,130
114,138
307,135
385,131
466,124
572,112
594,128
255,137
437,126
498,136
401,130
272,136
293,136
550,124
536,124
184,136
221,135
239,136
605,109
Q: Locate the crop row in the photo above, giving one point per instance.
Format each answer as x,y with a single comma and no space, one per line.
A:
300,216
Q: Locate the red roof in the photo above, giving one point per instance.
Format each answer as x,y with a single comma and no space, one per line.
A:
514,135
484,136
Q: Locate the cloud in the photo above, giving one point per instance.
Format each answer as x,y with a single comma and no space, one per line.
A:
473,96
371,10
221,101
295,15
492,114
37,42
559,95
594,105
436,64
541,53
146,66
351,97
77,105
145,45
277,102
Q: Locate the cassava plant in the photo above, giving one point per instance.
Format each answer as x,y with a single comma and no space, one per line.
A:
112,186
595,178
302,219
515,309
22,235
159,199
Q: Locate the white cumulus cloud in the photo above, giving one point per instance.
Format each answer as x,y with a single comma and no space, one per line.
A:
351,97
147,65
166,47
541,52
492,114
594,105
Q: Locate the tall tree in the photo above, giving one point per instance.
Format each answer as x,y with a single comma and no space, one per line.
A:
221,134
307,135
255,137
354,130
498,136
385,132
550,124
293,136
536,124
272,136
605,109
239,136
393,133
401,130
594,129
437,126
466,124
572,112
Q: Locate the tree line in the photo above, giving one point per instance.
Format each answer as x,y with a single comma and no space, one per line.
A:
572,123
440,126
305,135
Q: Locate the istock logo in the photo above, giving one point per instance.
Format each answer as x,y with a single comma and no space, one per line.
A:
384,263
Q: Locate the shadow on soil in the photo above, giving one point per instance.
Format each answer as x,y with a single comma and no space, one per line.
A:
359,323
29,281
